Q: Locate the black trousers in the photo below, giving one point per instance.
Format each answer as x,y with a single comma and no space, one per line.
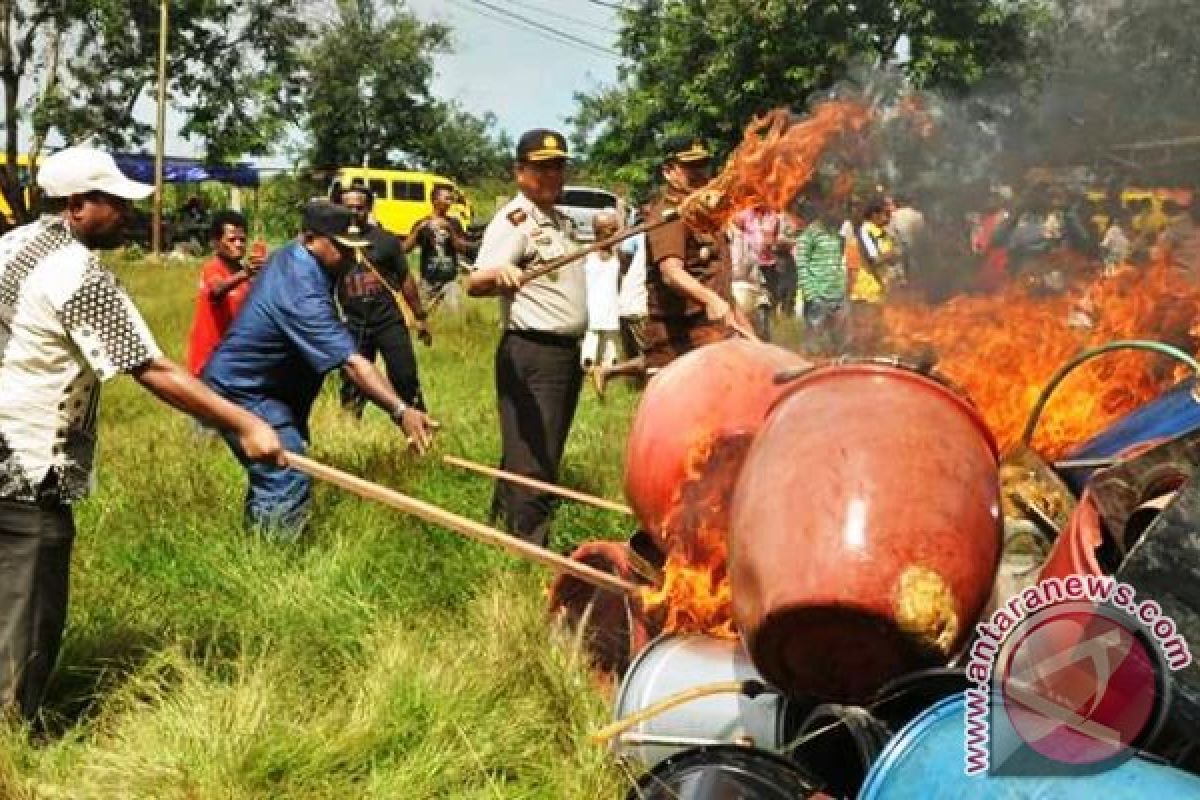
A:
537,382
35,561
387,336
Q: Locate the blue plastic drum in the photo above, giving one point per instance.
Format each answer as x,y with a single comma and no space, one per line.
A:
925,762
1171,414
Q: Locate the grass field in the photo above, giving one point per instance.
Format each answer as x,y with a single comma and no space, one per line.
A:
379,658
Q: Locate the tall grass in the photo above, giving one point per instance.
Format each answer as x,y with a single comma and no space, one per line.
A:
380,657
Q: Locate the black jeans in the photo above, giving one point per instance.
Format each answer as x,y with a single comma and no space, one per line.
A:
35,561
537,382
386,336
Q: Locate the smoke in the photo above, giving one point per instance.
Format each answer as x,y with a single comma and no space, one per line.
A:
1110,97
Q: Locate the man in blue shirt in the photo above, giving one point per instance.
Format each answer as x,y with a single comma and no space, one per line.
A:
278,350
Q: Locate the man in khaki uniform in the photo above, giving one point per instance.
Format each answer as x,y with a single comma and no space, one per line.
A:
538,376
689,276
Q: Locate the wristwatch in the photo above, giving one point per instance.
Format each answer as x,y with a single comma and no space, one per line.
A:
398,412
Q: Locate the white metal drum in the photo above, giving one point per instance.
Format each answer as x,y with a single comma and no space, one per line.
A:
675,663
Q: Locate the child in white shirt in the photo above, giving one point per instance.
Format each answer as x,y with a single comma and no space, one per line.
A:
1115,243
603,271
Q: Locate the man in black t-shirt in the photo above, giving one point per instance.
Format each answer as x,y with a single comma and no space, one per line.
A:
441,239
367,295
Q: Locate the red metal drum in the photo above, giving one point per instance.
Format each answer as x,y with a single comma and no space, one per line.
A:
612,627
692,429
1074,552
865,530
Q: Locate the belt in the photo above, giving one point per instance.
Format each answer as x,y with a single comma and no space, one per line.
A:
546,338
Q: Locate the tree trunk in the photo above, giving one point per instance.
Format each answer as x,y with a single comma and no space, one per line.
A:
10,183
41,131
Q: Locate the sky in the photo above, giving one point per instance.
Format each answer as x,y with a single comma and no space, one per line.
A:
526,76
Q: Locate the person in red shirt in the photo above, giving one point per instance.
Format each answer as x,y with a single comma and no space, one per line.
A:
224,284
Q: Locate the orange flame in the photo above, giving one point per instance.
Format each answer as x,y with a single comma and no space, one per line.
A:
779,155
1003,348
695,595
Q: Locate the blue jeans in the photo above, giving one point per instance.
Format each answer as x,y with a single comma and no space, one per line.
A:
278,500
824,322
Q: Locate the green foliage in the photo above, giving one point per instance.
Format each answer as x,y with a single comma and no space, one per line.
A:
77,68
368,98
369,75
379,658
230,69
466,146
705,67
281,197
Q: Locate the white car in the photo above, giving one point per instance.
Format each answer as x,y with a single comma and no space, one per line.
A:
582,203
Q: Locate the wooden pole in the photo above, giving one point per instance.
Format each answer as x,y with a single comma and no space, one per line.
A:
156,242
534,483
467,527
670,215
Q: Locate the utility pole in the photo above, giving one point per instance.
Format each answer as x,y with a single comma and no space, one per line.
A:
156,242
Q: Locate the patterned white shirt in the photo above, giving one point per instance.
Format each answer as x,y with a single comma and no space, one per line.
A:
65,327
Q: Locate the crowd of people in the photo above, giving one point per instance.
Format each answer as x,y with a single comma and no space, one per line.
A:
268,330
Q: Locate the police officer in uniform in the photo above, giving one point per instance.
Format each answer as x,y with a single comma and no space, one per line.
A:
538,376
689,276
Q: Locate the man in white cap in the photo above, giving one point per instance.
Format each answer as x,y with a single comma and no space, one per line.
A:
65,327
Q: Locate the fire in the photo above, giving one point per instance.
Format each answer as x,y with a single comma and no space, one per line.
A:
1000,348
1003,348
779,155
695,595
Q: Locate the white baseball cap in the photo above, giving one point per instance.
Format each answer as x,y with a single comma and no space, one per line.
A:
77,170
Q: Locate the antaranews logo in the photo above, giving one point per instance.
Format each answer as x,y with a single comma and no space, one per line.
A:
1071,677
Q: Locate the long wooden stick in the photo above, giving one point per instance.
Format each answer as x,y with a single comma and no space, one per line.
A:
534,483
670,215
467,527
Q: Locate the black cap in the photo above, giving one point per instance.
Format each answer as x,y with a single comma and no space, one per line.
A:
337,222
685,150
541,144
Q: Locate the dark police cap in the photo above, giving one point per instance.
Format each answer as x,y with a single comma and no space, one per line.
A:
338,223
541,144
685,150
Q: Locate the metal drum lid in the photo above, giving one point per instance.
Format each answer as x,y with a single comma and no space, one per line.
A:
720,772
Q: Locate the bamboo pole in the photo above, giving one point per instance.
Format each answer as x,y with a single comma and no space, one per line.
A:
534,483
670,215
467,527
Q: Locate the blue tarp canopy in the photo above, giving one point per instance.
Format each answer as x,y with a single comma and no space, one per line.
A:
140,167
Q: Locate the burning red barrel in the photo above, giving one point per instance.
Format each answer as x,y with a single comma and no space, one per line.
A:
693,426
865,530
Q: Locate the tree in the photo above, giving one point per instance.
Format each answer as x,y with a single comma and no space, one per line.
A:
705,67
466,146
1120,92
369,97
79,67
